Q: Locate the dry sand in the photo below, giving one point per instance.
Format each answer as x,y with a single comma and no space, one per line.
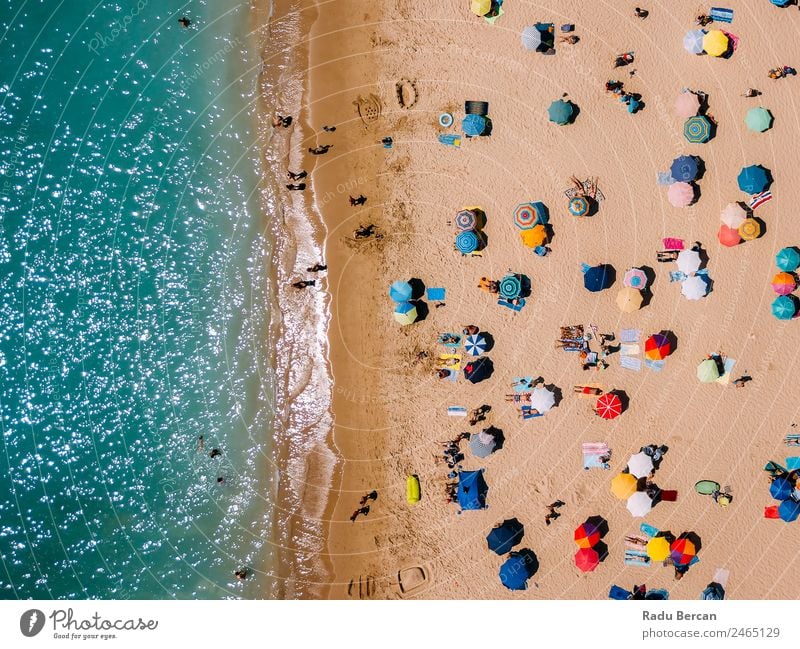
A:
390,413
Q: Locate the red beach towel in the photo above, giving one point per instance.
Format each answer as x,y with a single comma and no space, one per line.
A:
771,512
669,496
670,243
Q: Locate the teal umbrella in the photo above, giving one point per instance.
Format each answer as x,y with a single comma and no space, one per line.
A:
560,112
784,308
466,242
510,287
579,206
788,259
753,179
697,129
400,291
758,119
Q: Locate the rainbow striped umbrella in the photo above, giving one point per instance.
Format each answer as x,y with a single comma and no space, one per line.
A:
657,347
783,283
682,551
526,215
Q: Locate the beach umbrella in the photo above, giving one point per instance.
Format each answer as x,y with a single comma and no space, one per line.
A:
609,406
758,119
733,215
687,104
658,548
505,536
697,129
466,220
405,313
640,465
518,568
694,287
542,399
480,7
532,38
587,559
753,179
781,3
475,345
789,510
783,283
657,347
693,41
560,112
510,287
639,504
688,261
682,551
534,237
527,215
787,259
579,206
713,591
750,229
635,278
478,370
473,125
472,490
728,237
781,488
783,308
466,242
482,444
715,42
629,299
623,485
596,278
708,371
680,194
400,291
586,535
684,168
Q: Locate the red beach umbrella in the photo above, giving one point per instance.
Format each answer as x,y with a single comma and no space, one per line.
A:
587,559
657,347
586,535
728,237
682,551
609,406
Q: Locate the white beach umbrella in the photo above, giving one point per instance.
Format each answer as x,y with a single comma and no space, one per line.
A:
542,399
640,465
694,288
640,504
688,261
733,215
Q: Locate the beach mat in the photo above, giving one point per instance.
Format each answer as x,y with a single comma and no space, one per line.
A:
629,335
771,512
672,243
456,411
651,531
630,363
721,14
435,294
669,495
793,463
519,386
655,366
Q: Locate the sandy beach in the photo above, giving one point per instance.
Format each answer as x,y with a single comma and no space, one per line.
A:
390,413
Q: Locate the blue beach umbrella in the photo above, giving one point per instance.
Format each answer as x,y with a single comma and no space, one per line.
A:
713,591
596,278
781,488
693,41
405,313
510,287
783,308
560,112
781,3
504,537
697,129
475,345
466,242
789,510
400,291
753,179
787,259
518,568
472,490
684,168
473,125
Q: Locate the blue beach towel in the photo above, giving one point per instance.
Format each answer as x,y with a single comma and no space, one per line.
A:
450,140
456,411
793,463
454,345
519,386
513,307
630,363
435,294
655,366
677,276
629,335
721,14
651,531
620,593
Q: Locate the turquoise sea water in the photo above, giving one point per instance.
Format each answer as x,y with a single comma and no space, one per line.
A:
135,302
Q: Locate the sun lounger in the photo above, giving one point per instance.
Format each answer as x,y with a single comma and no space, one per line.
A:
629,335
671,243
792,463
619,593
630,363
648,529
456,411
655,366
513,307
721,14
435,294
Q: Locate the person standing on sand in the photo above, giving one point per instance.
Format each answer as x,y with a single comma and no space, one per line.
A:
641,13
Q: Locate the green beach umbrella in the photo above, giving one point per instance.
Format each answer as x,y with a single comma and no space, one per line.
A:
560,112
758,119
510,287
405,313
697,129
707,371
787,259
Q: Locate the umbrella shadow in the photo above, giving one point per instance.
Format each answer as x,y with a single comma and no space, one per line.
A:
525,282
530,559
647,291
703,108
480,218
704,258
557,394
551,233
671,337
499,437
417,288
623,398
599,523
489,340
770,179
602,550
487,129
422,309
701,167
576,110
761,224
611,275
594,206
695,192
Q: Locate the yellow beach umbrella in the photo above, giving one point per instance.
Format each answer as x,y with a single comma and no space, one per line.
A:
623,486
629,299
750,229
481,7
658,548
534,237
715,42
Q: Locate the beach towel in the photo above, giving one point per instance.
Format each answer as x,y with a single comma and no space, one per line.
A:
527,414
759,199
513,307
592,452
449,139
721,14
793,463
619,593
771,512
733,39
655,366
671,243
445,335
629,349
635,558
664,178
721,577
592,461
677,276
456,411
630,363
522,383
629,335
435,294
648,529
669,496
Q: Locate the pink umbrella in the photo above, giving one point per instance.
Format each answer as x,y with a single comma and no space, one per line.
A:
680,194
687,104
783,283
728,236
733,215
635,278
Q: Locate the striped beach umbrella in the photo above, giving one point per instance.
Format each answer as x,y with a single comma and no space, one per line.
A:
758,119
680,194
579,206
534,237
466,242
733,215
623,485
639,504
728,237
640,465
715,42
482,444
587,559
608,406
475,345
510,287
697,129
787,259
753,179
750,229
682,551
629,299
586,535
560,112
466,220
658,548
789,510
657,347
400,291
635,278
527,215
684,168
693,41
784,308
708,371
687,104
405,313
